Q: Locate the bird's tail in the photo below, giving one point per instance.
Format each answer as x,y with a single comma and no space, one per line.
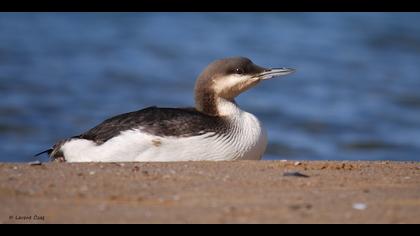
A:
55,152
48,151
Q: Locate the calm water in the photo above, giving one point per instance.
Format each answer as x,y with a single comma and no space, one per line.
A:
355,95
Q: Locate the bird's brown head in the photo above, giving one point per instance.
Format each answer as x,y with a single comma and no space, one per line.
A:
227,78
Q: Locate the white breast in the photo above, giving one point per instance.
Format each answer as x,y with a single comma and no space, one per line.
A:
246,141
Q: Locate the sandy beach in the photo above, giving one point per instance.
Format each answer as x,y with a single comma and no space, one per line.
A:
211,192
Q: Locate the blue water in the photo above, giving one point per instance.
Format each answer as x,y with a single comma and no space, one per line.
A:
355,95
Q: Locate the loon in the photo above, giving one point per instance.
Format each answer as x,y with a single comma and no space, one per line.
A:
216,129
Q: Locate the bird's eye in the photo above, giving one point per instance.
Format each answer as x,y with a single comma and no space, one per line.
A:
239,71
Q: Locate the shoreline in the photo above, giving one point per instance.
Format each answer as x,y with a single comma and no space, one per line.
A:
211,192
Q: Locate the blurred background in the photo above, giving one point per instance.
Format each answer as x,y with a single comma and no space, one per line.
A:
355,95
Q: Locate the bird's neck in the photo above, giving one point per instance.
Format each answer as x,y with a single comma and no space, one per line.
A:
213,105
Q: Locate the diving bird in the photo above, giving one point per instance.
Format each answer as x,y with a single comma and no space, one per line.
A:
215,129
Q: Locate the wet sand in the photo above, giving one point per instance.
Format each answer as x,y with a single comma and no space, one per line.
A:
211,192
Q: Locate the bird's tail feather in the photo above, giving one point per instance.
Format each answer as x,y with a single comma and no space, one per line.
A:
55,152
49,151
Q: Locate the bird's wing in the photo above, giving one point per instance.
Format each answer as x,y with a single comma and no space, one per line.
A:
182,122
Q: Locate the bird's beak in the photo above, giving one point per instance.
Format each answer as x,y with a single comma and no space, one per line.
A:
274,72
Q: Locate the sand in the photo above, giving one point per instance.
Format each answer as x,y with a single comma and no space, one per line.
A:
211,192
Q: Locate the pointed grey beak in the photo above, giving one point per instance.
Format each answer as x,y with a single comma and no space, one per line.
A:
274,72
